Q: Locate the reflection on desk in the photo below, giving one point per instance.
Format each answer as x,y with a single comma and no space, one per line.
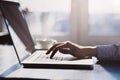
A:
9,68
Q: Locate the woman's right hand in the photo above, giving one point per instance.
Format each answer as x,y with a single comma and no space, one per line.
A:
75,50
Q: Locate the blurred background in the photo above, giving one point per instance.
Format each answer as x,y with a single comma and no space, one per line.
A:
85,22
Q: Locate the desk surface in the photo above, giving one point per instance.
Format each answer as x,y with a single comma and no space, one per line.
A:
9,68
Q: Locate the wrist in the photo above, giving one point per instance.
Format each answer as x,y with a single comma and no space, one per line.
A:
93,51
90,51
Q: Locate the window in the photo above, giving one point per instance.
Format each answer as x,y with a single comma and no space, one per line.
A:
86,22
97,21
104,17
55,19
48,17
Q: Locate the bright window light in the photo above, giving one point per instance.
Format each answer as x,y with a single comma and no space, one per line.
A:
104,17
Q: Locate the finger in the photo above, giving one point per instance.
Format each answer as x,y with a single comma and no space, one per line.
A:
52,48
55,50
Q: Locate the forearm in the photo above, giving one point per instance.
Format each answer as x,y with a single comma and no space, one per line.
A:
90,50
104,52
85,51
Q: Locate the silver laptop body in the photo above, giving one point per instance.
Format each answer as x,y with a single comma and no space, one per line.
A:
39,59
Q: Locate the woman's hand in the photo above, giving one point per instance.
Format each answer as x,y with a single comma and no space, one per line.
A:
75,50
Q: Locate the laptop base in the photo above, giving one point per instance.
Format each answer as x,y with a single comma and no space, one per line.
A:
58,66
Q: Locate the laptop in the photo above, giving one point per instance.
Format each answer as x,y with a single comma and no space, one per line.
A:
38,58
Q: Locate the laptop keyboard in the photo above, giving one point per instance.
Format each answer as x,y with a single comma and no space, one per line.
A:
41,56
57,57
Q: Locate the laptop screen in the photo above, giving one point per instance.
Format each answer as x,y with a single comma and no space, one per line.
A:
12,12
18,45
17,27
